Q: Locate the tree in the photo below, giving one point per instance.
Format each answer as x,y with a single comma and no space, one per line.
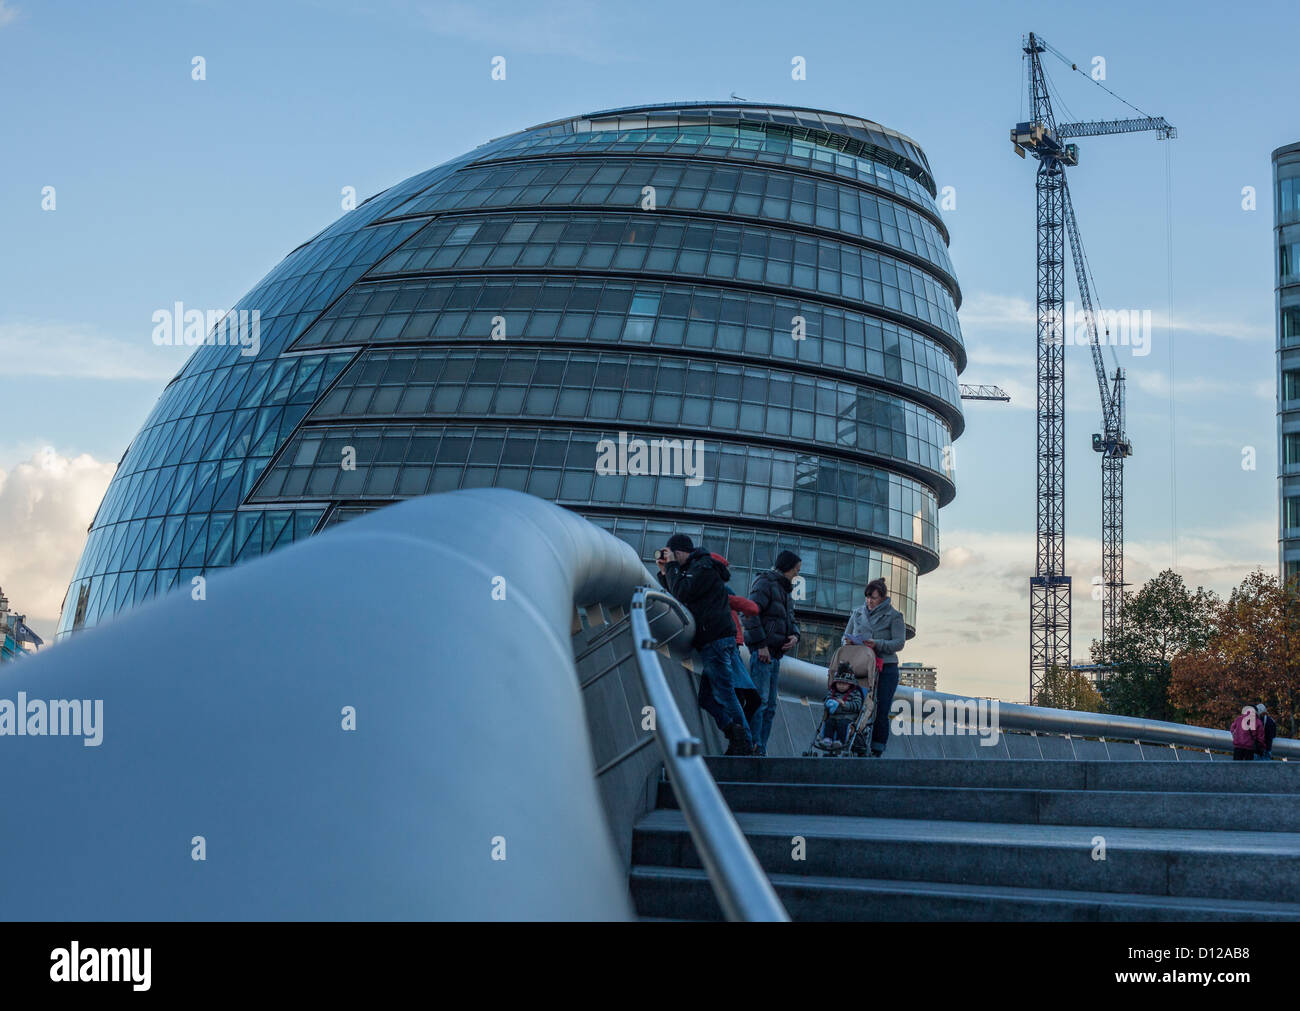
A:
1161,621
1253,656
1068,689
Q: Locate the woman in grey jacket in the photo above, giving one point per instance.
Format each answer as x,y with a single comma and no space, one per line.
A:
879,625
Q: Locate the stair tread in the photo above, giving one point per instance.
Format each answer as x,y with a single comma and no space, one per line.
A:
1064,774
861,886
994,833
949,788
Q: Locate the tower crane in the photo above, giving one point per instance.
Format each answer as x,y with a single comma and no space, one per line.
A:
972,392
1049,587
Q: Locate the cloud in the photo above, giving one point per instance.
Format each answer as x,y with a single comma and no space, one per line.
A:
985,310
46,504
1157,384
564,28
8,14
72,351
1000,350
973,612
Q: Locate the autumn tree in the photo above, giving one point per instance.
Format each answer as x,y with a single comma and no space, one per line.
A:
1161,621
1063,688
1254,656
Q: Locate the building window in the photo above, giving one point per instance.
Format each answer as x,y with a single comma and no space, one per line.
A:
1291,324
1291,384
1291,448
1291,512
1288,197
1289,259
1292,571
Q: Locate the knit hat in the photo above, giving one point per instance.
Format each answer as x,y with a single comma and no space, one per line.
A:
844,672
680,542
786,561
1261,709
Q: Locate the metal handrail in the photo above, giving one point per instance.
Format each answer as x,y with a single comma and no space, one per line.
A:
742,888
806,680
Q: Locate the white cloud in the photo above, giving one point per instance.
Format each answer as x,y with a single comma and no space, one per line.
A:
973,612
78,352
1157,384
985,310
562,28
46,504
8,14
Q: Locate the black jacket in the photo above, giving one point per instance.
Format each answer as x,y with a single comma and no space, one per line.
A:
702,586
1270,732
775,621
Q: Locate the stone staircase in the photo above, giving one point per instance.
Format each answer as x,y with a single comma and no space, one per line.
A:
937,839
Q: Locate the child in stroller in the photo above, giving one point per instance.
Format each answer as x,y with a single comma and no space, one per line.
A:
843,705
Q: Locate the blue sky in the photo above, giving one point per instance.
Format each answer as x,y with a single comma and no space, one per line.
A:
173,189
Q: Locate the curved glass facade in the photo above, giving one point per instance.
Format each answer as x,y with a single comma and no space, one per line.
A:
768,288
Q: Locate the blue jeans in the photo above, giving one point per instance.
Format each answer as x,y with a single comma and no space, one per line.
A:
887,684
765,678
717,690
750,700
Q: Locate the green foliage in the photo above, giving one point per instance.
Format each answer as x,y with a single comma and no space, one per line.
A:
1068,689
1161,621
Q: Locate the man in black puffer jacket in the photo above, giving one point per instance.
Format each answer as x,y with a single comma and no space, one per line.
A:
770,634
700,582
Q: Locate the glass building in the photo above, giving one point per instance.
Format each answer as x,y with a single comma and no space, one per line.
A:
1286,228
771,281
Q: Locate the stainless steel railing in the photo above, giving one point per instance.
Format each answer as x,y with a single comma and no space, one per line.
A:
742,888
805,680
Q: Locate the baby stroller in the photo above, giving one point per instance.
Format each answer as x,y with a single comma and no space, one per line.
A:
857,664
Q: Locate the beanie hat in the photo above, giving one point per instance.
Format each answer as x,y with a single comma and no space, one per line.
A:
680,542
1261,709
786,561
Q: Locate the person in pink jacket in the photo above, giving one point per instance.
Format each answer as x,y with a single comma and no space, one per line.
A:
1247,735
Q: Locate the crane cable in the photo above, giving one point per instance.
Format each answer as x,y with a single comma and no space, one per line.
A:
1075,67
1169,340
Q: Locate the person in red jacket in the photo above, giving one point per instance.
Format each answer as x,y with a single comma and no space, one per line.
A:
749,697
1247,735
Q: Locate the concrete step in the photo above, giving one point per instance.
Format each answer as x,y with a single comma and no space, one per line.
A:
1270,812
1162,862
1177,777
685,893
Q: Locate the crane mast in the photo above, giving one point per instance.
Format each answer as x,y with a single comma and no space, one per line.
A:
1049,587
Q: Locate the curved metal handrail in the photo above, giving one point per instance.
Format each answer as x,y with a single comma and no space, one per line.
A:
742,888
807,680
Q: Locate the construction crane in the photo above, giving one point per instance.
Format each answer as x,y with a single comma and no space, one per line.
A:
1112,442
1049,587
983,393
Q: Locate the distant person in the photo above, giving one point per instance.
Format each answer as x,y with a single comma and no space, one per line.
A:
1270,731
692,576
843,705
771,634
749,697
877,624
1247,736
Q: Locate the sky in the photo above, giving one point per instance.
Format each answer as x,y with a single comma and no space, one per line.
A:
168,188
